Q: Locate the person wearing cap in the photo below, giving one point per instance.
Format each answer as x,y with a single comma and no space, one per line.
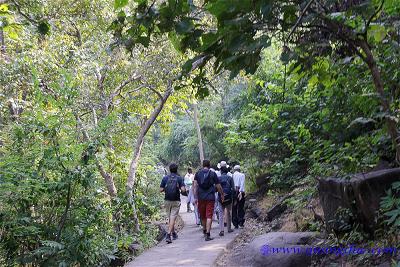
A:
238,203
222,164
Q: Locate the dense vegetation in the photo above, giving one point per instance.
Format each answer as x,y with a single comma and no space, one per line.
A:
97,97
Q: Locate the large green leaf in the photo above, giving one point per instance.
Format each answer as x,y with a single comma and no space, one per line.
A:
378,32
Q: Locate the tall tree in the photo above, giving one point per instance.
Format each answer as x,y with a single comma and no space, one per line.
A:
139,145
198,130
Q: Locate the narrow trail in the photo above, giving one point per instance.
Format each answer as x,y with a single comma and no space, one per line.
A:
189,249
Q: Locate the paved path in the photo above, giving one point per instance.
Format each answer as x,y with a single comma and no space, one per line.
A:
189,249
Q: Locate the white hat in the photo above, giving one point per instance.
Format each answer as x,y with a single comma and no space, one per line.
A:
237,167
222,164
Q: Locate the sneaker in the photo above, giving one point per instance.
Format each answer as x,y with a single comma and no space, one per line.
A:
168,239
221,233
241,226
236,227
230,230
174,236
208,237
204,233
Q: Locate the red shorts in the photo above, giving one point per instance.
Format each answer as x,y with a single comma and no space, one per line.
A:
206,209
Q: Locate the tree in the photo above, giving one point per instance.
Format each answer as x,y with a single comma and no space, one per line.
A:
231,34
198,130
72,109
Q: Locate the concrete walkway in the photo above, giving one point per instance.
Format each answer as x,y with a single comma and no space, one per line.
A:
189,249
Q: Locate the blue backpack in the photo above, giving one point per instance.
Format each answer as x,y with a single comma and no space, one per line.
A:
226,187
205,181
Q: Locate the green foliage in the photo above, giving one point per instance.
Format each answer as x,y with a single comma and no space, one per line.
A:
323,123
72,103
68,105
390,205
180,144
53,210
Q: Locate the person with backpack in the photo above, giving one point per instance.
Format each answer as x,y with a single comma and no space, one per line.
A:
205,184
172,185
225,207
220,165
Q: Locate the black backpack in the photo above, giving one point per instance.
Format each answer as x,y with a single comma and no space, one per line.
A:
205,182
172,188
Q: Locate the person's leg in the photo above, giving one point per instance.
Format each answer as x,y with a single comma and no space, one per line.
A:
168,207
202,210
209,214
215,213
208,226
235,220
189,199
196,214
221,211
241,212
171,225
225,216
174,213
229,217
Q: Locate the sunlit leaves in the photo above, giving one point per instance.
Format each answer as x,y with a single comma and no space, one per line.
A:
120,3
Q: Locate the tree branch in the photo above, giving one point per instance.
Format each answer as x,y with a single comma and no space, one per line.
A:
117,90
372,17
299,19
156,92
31,20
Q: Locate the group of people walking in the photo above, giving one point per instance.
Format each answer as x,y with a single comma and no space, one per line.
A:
213,193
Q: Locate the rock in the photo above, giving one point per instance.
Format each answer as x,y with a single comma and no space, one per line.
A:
262,181
250,202
117,262
162,231
135,248
276,210
276,225
253,213
361,195
260,252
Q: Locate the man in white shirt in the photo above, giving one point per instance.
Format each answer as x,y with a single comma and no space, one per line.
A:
189,177
238,203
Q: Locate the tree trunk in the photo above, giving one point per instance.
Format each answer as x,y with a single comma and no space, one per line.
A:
196,122
137,151
2,43
376,76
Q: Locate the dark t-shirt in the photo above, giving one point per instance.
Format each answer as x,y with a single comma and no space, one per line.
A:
208,194
180,184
